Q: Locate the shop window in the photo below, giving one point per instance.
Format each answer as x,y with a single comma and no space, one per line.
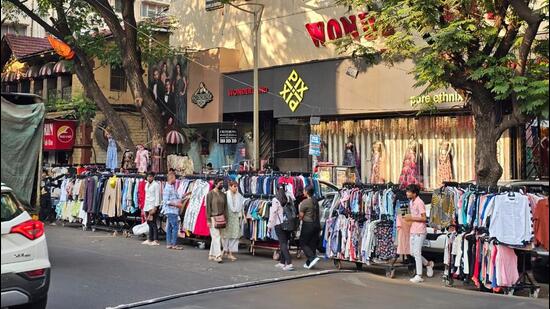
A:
38,86
25,86
118,79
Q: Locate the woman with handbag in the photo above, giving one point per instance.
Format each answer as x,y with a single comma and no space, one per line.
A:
232,232
277,220
216,216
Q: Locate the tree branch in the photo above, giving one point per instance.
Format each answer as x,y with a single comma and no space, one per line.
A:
507,41
499,22
511,120
533,20
35,17
109,16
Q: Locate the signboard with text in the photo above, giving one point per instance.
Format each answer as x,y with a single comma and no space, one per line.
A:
227,136
59,135
314,145
213,5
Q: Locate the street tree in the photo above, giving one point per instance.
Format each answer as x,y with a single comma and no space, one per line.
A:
493,52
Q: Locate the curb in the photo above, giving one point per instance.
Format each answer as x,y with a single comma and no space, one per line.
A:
226,288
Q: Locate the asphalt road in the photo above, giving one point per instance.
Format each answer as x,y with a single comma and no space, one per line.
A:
97,270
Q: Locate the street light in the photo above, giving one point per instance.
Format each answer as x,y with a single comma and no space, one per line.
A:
256,60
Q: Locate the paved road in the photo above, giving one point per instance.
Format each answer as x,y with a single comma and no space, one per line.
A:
97,270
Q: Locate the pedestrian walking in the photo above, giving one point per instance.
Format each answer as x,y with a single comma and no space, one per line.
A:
216,216
417,218
151,208
232,232
171,205
311,227
276,219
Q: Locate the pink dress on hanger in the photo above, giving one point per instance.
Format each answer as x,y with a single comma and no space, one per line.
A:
142,158
201,228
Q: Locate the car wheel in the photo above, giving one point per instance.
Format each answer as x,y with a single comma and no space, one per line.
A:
40,304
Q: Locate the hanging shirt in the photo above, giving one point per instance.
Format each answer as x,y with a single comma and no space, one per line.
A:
511,219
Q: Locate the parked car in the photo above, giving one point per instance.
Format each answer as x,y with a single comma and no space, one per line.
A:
435,240
25,262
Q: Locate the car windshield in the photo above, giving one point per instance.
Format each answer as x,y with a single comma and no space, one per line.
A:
10,207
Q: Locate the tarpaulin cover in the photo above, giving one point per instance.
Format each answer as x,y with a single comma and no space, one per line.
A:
22,135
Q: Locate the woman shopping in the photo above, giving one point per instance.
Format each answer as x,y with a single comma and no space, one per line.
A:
232,232
216,216
276,217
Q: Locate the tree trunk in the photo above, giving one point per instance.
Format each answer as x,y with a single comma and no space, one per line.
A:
85,75
488,170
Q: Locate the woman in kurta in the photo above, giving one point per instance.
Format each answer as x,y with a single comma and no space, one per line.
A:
232,232
216,205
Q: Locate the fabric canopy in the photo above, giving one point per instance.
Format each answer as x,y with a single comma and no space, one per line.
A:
174,137
33,71
61,67
46,69
22,134
9,77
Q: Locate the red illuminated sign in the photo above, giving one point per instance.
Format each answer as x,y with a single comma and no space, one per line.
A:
345,25
245,91
59,135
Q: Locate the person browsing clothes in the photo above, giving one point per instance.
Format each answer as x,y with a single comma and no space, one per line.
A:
171,205
311,227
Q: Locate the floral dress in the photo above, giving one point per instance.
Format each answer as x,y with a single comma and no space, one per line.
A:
444,165
377,169
409,173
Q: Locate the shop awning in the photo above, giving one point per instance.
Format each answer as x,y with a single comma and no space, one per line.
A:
33,71
61,67
174,137
9,77
47,69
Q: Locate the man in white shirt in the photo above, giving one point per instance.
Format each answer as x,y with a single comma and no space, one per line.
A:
151,208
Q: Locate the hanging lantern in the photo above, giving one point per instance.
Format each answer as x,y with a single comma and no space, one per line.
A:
61,48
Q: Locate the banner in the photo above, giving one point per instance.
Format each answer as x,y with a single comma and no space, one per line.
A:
314,145
59,134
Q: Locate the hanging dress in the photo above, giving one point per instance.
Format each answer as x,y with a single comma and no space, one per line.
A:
444,165
157,162
112,160
377,174
409,173
195,156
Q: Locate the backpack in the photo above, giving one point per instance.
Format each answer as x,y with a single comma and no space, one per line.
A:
290,218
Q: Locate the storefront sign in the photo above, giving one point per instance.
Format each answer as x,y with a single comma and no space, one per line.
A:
227,136
59,135
212,5
436,98
314,145
202,96
321,32
245,91
293,91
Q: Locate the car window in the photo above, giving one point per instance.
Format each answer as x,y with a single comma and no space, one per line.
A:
325,188
10,207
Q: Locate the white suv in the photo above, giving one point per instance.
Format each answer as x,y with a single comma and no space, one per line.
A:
25,263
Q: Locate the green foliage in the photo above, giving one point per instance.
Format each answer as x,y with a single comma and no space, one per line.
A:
10,13
83,107
452,43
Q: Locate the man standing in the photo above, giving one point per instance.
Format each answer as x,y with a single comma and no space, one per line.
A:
151,206
170,207
417,217
311,227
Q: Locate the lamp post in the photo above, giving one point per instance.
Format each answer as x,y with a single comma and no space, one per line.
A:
256,63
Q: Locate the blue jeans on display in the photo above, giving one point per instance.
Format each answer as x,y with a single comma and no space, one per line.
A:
172,226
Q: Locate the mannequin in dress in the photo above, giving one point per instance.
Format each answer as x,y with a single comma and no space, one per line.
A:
378,168
112,160
351,159
142,159
410,174
128,159
445,162
157,158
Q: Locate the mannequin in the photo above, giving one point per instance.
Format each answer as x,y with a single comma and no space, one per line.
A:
378,174
112,160
410,174
445,162
142,158
128,159
157,158
351,159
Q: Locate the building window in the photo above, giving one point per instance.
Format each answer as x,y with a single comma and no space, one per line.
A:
118,5
118,79
14,29
25,86
66,87
38,86
51,84
151,10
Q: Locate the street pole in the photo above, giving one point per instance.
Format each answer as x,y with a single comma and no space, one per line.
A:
256,96
256,63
